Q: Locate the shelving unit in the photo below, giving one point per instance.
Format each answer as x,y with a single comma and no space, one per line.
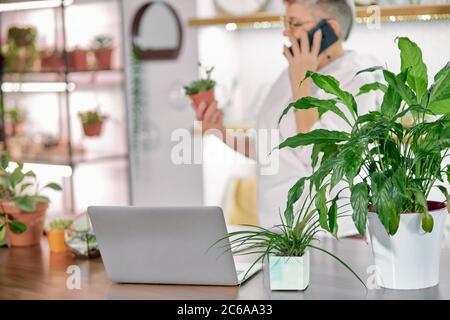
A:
64,83
363,15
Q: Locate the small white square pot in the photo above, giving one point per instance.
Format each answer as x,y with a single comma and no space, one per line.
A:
289,273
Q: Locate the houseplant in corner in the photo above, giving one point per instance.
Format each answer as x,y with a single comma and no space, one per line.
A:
286,246
92,122
202,89
22,212
390,167
56,234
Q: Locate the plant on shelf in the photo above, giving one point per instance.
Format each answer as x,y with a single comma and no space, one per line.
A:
389,165
21,50
202,89
92,122
56,234
14,119
286,245
78,59
22,213
103,48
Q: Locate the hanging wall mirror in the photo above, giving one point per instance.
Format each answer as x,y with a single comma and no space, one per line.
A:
157,33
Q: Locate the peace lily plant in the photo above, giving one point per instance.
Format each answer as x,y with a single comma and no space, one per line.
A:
388,164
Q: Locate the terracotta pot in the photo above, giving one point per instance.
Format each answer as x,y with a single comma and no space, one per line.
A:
34,221
56,241
103,58
52,62
93,129
206,96
78,60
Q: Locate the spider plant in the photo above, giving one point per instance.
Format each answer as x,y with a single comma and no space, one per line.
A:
291,238
390,165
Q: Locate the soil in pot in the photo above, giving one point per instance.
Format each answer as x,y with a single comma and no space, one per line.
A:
34,221
206,96
103,58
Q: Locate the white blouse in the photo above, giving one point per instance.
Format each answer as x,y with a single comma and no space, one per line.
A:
273,185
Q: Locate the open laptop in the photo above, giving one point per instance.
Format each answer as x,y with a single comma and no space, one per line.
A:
172,245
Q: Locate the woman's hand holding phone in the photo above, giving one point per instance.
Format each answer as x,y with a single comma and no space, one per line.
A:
304,57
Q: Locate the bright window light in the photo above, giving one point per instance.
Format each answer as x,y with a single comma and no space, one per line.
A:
37,86
231,26
37,4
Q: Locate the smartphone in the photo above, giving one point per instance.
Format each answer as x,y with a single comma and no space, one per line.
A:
328,35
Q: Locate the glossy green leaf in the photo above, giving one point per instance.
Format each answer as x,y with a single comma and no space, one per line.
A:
371,69
439,101
427,222
412,64
293,195
322,208
17,226
359,201
323,106
332,217
331,85
391,102
441,72
5,160
53,186
24,186
25,203
16,177
397,83
314,137
368,87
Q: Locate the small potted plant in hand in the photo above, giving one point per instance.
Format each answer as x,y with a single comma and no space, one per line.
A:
103,48
56,236
286,245
92,122
22,212
202,89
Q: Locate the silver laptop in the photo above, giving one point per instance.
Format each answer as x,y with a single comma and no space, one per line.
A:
166,246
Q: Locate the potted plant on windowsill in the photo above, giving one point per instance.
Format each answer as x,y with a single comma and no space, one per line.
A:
92,122
21,212
78,59
14,119
202,89
286,246
390,165
103,49
56,234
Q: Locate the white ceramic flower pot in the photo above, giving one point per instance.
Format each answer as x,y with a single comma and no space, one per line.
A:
409,259
289,273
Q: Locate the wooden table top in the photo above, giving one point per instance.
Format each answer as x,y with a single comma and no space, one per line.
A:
34,273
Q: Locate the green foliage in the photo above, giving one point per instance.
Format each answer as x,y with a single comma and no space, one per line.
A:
291,238
21,49
14,186
15,115
90,117
201,85
389,167
103,42
60,224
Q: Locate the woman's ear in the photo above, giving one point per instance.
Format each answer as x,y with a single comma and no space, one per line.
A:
335,26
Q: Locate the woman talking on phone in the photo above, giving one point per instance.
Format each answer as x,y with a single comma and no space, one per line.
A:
333,20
